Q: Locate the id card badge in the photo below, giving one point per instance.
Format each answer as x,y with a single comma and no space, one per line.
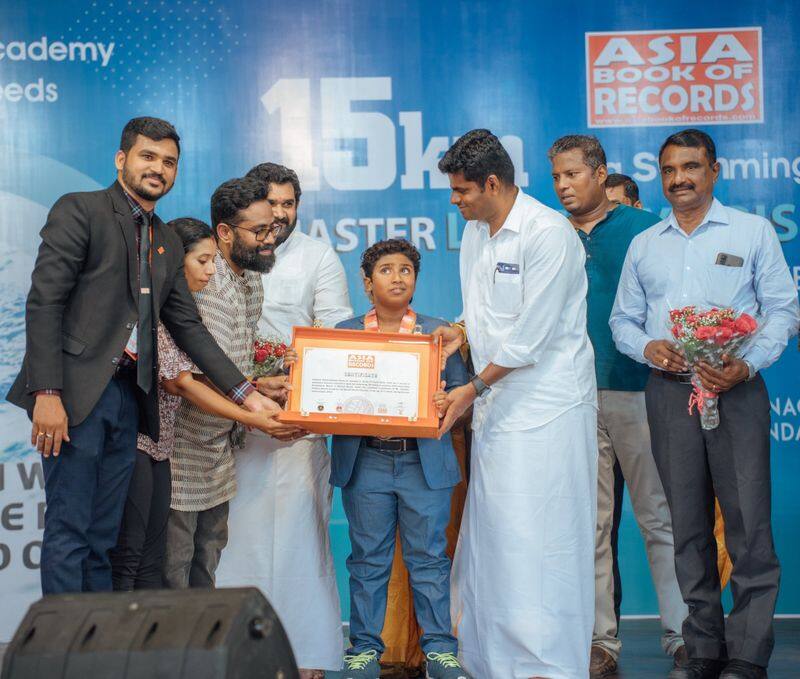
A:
131,348
505,269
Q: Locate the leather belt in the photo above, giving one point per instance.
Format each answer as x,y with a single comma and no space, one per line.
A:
391,445
683,378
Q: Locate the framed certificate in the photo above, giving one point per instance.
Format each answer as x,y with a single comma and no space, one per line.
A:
364,383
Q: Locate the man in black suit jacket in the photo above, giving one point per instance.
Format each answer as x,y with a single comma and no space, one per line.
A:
107,269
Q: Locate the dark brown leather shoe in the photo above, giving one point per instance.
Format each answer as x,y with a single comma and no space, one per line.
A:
680,658
698,668
601,663
741,669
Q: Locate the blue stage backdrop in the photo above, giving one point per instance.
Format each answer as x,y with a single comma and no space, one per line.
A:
361,98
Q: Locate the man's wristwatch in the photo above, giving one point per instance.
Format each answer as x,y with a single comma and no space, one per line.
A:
481,388
751,373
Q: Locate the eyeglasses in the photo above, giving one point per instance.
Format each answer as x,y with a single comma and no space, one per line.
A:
261,234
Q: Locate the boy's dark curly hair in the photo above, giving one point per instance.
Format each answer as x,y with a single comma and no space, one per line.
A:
392,246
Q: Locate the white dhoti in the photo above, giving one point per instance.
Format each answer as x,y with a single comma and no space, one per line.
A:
279,542
523,574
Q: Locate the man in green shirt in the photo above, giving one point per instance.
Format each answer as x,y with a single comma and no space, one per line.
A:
606,229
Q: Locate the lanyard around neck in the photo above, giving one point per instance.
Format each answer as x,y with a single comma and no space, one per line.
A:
407,325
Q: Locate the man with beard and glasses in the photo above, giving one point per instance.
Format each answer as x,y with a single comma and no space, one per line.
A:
278,522
107,270
710,255
203,472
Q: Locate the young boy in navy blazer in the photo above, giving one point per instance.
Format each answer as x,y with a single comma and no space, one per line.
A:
402,482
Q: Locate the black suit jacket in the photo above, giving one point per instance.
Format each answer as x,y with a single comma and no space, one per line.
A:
83,304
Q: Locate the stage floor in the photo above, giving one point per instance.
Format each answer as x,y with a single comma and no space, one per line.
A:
642,657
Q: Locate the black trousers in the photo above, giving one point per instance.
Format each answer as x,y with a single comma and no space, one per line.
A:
138,559
732,462
85,488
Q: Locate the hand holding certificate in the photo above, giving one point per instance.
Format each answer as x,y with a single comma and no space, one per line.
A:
364,383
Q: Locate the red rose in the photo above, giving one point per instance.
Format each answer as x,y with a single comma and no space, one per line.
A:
723,335
261,355
746,324
705,332
677,331
268,349
280,350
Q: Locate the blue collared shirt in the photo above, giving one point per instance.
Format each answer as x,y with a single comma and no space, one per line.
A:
667,269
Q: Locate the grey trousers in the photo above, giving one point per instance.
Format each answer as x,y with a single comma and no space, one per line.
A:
623,435
732,462
195,541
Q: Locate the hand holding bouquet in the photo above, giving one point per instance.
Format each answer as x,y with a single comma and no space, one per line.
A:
271,361
268,357
709,339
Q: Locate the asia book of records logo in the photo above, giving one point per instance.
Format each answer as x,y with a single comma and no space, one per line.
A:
361,361
709,76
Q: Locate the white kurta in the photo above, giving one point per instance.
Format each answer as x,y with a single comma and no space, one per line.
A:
278,541
523,574
278,522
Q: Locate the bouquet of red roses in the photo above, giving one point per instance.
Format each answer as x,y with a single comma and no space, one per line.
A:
268,356
708,336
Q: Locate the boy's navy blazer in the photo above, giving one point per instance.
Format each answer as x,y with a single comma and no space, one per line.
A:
439,463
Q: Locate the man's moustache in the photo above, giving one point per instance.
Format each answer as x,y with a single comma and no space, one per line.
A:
681,186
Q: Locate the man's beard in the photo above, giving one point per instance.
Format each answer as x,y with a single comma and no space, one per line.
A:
285,232
260,258
140,189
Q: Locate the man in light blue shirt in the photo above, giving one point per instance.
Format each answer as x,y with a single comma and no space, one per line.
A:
709,255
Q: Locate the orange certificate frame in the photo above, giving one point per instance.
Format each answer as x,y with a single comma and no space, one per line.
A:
353,386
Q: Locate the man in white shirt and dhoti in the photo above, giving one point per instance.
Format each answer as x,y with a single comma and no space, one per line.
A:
523,574
278,523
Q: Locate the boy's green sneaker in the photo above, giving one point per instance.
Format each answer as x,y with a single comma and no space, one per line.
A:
444,666
361,665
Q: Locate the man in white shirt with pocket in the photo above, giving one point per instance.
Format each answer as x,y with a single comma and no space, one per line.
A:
523,574
278,523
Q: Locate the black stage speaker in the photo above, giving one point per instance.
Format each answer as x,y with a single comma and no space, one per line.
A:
150,634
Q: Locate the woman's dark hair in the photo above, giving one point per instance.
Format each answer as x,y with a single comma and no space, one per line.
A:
392,246
191,231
